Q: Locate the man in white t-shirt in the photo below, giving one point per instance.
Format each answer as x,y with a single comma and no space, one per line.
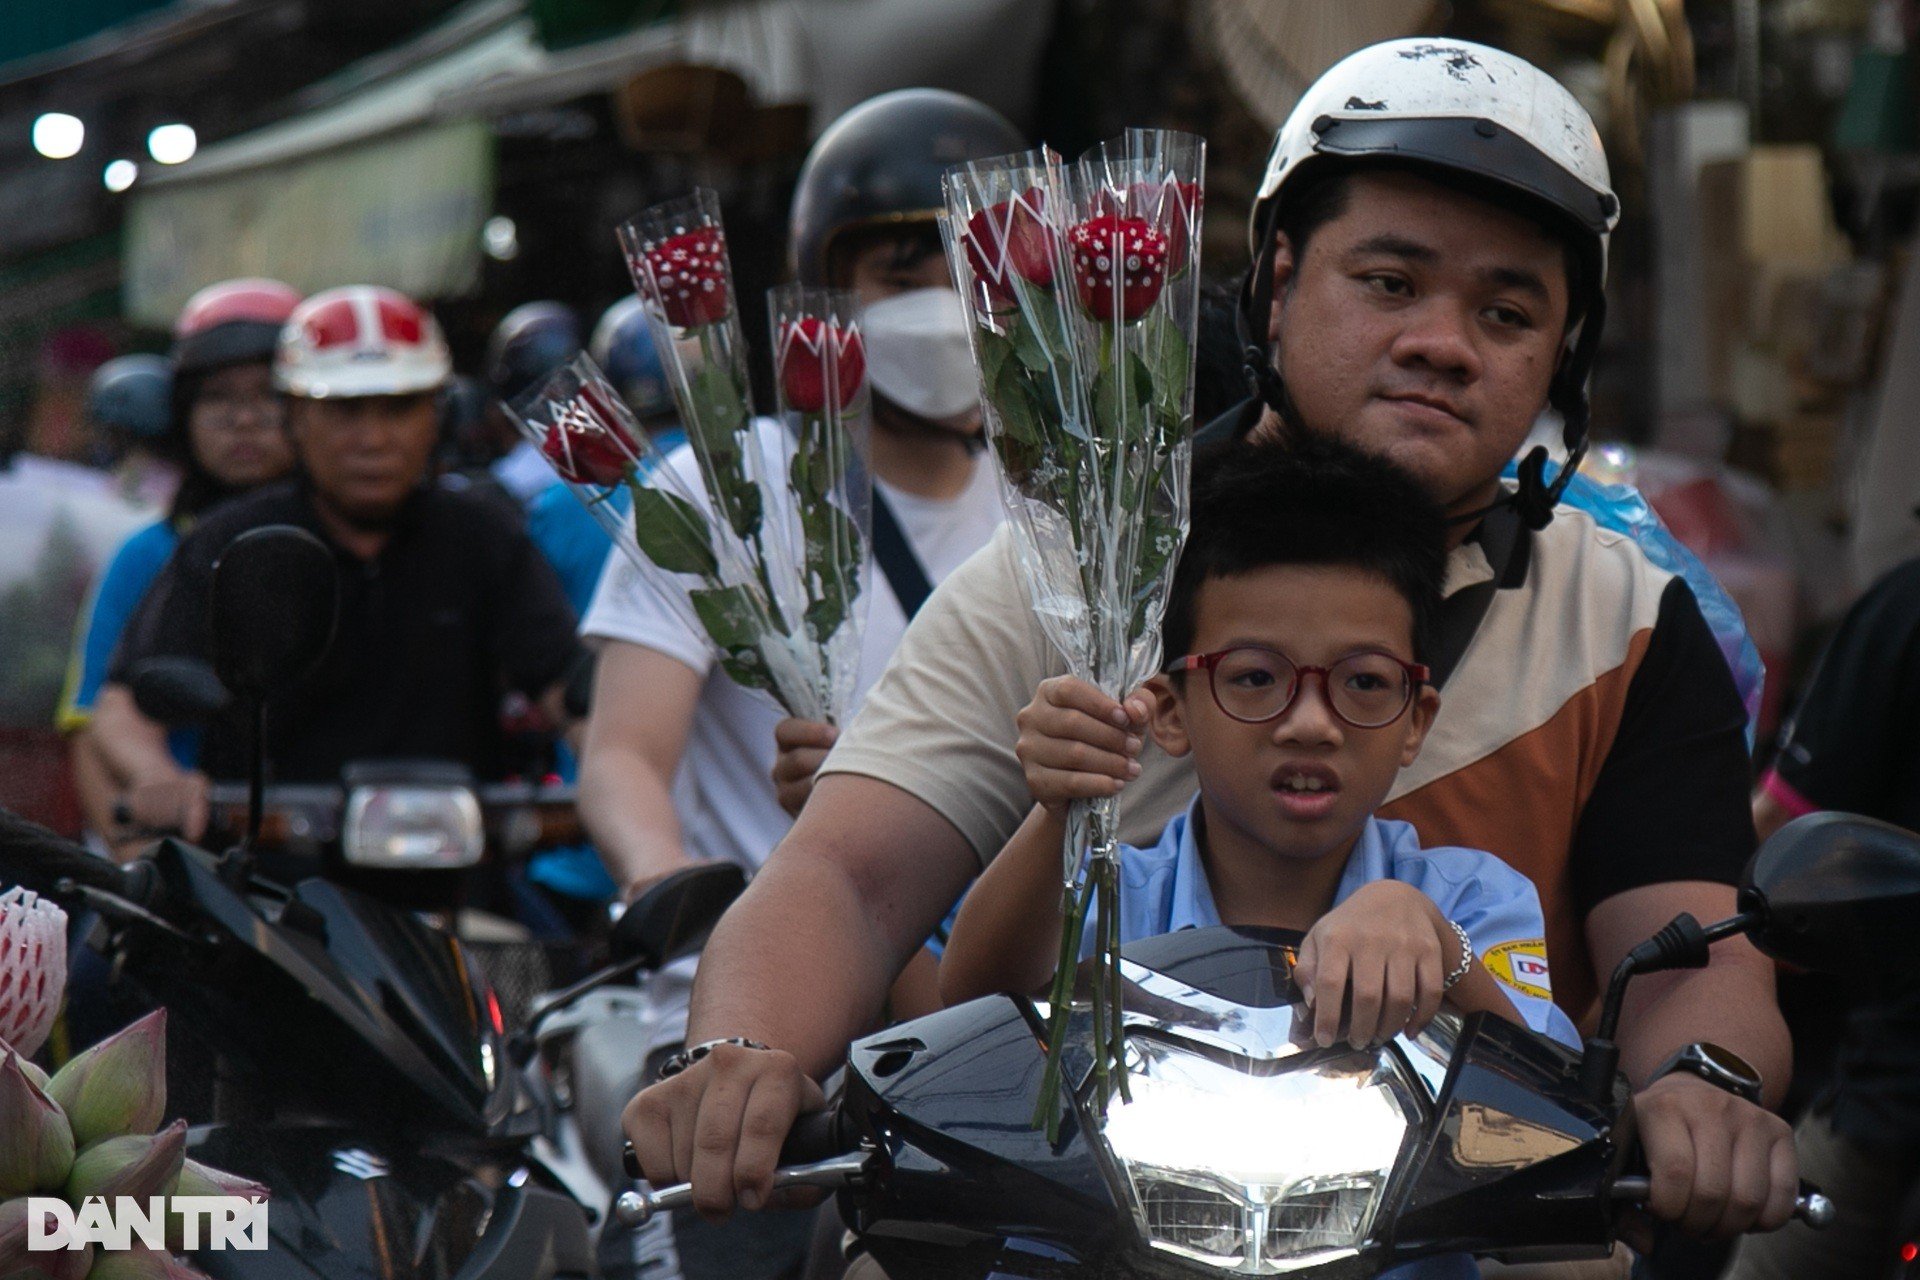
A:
678,759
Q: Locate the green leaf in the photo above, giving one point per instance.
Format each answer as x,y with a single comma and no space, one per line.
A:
734,623
1119,403
671,532
1172,362
719,410
995,350
731,616
1041,310
812,471
740,497
1014,403
1029,345
825,615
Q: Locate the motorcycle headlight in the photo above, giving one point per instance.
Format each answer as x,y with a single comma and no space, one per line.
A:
419,828
1258,1168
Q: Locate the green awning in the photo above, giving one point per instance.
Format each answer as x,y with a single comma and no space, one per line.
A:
32,29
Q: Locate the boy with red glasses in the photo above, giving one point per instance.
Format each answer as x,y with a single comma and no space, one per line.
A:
1305,598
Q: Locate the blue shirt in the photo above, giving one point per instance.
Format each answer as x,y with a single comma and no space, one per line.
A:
572,539
1164,888
576,545
115,598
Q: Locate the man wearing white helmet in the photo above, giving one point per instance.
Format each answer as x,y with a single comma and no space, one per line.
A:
1430,244
443,599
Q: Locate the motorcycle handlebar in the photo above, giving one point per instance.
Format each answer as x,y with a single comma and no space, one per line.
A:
1810,1206
814,1155
37,858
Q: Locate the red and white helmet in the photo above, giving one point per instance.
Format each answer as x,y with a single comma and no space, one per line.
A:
233,322
361,340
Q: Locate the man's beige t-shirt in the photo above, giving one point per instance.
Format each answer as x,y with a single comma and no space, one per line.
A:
1526,723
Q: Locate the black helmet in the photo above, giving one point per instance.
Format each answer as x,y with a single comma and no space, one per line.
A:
532,341
881,163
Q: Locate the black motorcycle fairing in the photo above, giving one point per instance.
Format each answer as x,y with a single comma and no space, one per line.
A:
302,991
349,1204
1244,964
1508,1156
1516,1155
951,1090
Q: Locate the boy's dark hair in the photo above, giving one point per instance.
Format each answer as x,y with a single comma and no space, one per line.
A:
1311,500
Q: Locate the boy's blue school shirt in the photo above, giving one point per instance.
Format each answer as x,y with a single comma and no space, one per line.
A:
1164,888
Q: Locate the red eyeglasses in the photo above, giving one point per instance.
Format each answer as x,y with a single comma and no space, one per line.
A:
1253,684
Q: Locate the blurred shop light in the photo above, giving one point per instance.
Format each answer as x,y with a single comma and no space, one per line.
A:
173,143
501,238
119,175
58,136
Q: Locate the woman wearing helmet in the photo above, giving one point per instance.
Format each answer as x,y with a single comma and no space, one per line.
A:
1429,248
229,430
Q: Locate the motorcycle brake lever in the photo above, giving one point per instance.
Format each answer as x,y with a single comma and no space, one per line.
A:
1811,1206
637,1208
113,906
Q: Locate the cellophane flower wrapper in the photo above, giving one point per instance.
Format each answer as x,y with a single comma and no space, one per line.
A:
1082,285
820,550
690,557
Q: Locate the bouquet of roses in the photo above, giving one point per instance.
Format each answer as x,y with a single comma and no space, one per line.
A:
1082,285
757,534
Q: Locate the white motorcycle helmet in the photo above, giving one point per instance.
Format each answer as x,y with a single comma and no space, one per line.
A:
361,340
1471,110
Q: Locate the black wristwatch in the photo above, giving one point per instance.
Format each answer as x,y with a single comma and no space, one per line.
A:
1720,1067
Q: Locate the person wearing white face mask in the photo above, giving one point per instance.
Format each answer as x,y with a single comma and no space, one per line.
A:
678,761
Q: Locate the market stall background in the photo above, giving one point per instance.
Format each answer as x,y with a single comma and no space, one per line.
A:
477,153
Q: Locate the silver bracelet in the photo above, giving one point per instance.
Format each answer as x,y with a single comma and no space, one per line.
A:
693,1053
1465,966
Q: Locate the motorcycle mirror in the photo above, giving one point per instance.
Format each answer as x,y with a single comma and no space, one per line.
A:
178,691
1837,893
276,592
674,917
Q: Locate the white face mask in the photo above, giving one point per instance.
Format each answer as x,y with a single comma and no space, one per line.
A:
917,353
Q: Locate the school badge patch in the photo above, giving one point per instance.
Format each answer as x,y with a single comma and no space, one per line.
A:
1522,965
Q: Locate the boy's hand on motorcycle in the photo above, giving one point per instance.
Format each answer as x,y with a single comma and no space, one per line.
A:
1076,743
719,1125
1720,1165
803,747
1375,965
169,802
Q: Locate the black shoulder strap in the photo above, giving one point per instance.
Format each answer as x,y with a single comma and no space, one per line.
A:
1506,541
905,574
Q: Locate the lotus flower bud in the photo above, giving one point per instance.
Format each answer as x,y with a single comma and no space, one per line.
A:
60,1264
13,1235
31,1071
36,1146
197,1179
16,1263
119,1086
33,967
140,1263
138,1165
